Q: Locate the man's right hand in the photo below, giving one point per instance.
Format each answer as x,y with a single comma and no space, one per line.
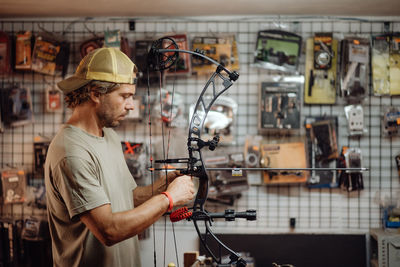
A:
181,190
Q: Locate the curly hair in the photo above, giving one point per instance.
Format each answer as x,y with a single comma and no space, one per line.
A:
82,95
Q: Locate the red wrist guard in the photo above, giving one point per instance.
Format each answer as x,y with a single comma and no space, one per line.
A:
171,202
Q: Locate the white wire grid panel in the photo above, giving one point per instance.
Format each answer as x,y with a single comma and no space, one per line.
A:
315,210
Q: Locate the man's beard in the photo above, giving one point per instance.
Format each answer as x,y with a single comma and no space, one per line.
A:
106,117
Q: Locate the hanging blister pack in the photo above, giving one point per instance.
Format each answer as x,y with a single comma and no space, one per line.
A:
283,156
321,133
394,63
380,64
391,121
13,186
320,69
354,68
16,105
350,180
252,151
215,48
53,100
279,107
386,64
112,39
355,119
50,55
23,50
35,229
277,50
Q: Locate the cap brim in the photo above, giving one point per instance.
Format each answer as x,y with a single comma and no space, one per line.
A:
72,83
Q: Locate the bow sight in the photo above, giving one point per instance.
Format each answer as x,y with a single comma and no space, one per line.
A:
164,54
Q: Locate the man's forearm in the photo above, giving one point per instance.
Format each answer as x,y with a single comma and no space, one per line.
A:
110,228
143,193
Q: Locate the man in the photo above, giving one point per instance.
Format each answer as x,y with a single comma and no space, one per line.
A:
95,208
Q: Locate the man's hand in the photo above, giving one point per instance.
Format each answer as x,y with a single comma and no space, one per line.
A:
162,183
181,189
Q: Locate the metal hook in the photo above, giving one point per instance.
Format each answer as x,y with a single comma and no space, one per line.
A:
43,29
89,30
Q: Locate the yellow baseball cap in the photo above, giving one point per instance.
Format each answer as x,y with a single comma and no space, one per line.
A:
102,64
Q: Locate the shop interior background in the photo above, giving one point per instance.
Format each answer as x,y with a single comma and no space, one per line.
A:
329,210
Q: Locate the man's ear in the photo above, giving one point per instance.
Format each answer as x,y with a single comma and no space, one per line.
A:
95,96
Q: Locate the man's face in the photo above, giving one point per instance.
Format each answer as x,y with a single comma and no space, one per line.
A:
116,105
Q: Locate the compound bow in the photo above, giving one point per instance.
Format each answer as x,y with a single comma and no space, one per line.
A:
163,54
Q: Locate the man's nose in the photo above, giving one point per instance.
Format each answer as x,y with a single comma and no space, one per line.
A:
130,104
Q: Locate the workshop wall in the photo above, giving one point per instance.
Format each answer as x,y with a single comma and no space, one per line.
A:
314,209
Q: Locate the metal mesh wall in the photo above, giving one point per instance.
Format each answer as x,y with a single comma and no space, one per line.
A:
315,210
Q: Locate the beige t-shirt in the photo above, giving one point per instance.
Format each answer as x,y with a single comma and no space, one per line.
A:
82,172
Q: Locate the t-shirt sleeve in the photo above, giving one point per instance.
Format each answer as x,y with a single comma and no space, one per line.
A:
79,185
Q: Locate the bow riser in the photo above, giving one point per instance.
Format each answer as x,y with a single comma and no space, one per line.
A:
220,81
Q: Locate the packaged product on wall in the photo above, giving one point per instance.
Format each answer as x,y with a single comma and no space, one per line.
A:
277,50
112,39
354,68
184,64
386,64
23,51
322,148
5,53
44,56
350,157
16,106
13,184
284,155
320,69
380,64
394,63
252,150
391,121
355,119
215,48
280,107
53,100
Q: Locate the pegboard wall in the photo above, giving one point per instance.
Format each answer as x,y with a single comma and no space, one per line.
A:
315,210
